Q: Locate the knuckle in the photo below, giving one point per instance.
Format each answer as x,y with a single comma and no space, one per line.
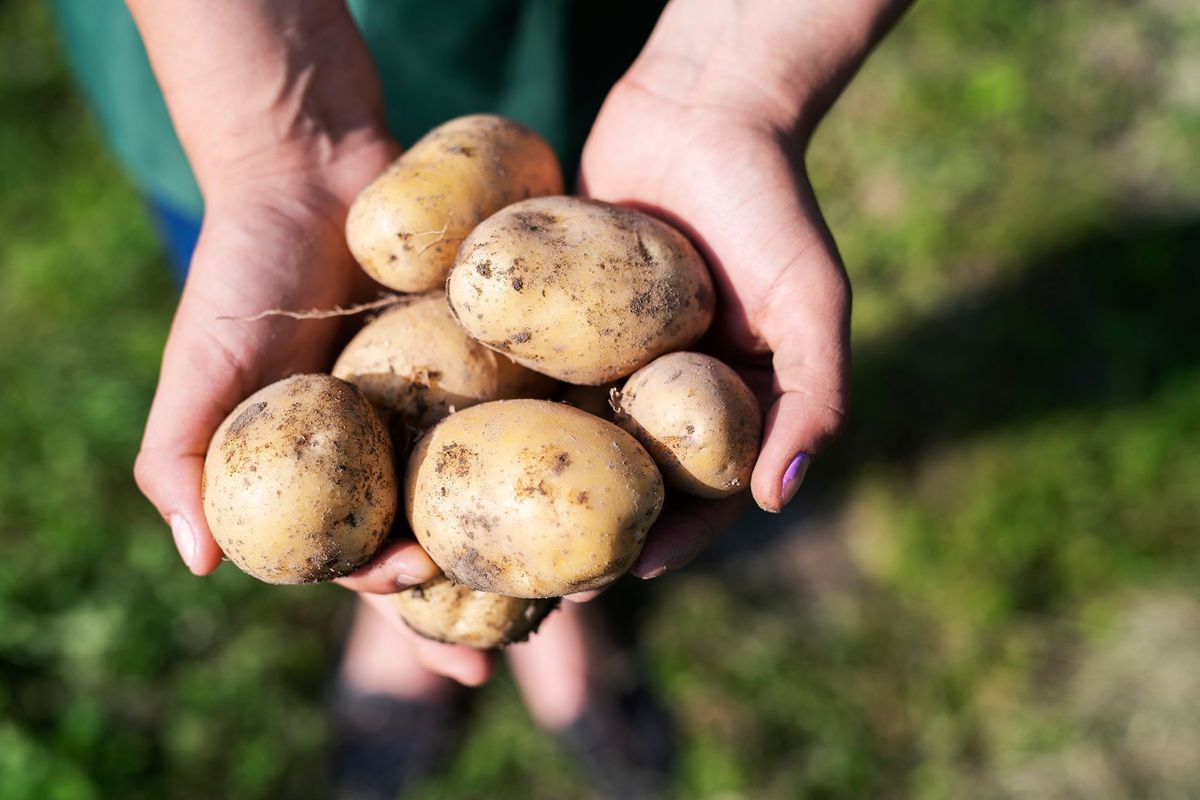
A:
841,289
833,424
145,473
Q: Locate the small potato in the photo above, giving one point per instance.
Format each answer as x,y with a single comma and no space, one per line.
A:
530,498
698,419
299,481
455,614
581,290
406,226
414,362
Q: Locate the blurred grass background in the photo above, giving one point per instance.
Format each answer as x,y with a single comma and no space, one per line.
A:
989,590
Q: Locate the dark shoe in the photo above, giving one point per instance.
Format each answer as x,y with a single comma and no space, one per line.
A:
626,747
385,745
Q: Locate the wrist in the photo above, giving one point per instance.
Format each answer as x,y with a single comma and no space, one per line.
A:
780,63
321,164
262,88
301,180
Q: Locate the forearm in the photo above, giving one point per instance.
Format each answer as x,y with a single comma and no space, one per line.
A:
784,61
261,85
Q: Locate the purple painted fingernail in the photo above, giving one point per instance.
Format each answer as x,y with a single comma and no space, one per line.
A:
793,476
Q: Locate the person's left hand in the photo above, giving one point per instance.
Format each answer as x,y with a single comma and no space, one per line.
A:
730,176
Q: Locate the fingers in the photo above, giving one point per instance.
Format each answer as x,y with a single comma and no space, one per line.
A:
399,565
170,465
211,364
200,383
584,597
796,430
465,665
687,526
170,480
805,321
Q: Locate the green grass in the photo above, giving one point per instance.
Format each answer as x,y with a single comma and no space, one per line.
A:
986,591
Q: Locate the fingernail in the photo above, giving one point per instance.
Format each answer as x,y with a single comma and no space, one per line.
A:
793,476
419,569
647,574
185,538
405,581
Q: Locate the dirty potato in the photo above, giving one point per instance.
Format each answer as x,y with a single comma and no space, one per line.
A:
698,419
299,483
406,226
415,363
581,290
531,498
449,612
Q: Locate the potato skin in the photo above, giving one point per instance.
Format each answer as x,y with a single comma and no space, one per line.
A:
415,362
405,227
299,481
449,612
581,290
530,498
697,418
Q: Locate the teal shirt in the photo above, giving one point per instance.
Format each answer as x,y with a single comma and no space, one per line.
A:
546,63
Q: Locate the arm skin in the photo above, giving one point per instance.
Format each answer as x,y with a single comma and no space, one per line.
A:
708,129
279,109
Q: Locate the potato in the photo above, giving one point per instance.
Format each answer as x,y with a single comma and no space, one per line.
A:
531,498
414,362
455,614
299,483
698,419
578,289
406,226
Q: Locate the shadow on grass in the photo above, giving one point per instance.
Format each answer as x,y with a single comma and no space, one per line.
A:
1102,322
1105,322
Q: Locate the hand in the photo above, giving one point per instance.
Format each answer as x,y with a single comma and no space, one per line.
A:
279,109
727,170
269,243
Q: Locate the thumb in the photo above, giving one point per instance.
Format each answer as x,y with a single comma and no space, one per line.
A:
196,390
170,479
805,320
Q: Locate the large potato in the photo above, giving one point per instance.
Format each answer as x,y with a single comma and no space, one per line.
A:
449,612
578,289
414,362
299,484
698,419
530,498
406,226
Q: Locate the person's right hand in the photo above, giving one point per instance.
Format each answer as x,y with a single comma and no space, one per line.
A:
272,242
279,109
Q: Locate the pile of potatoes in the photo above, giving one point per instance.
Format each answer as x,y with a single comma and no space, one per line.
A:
487,398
